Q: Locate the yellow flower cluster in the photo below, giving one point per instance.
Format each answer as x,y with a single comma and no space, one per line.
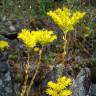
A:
3,44
27,38
44,36
31,38
66,19
60,87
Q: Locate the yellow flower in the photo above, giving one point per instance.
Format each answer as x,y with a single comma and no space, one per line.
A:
52,84
60,88
36,49
65,93
51,92
44,37
65,19
3,44
77,16
28,39
63,82
31,38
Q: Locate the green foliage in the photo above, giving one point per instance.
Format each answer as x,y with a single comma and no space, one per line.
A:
48,59
45,5
90,23
19,77
16,9
11,9
13,56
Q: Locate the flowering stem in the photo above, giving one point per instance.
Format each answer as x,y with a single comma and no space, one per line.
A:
32,81
65,46
26,76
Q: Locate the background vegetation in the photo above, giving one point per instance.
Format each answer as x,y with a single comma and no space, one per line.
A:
18,14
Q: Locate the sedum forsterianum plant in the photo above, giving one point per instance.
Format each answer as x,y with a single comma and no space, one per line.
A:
66,21
60,88
30,39
29,42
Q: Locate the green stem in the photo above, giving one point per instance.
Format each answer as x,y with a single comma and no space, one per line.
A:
26,76
32,81
65,45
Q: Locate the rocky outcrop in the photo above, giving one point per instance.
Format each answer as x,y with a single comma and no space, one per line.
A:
81,84
5,81
93,90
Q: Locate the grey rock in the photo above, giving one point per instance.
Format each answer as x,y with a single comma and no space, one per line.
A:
1,82
5,80
7,89
7,76
81,84
12,28
3,67
6,85
17,89
93,90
